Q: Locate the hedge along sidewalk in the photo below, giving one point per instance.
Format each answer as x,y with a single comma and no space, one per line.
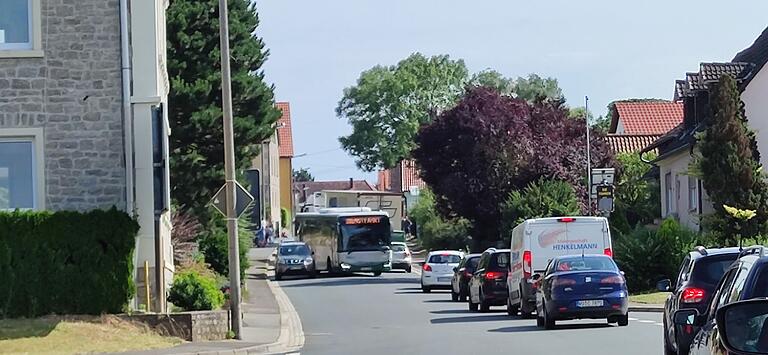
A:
270,323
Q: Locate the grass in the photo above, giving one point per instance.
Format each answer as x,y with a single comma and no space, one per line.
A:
649,298
49,335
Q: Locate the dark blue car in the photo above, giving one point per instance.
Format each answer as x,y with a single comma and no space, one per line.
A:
581,286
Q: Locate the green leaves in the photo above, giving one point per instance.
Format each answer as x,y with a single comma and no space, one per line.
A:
541,198
192,291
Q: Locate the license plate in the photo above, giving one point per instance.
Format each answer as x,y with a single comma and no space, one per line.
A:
366,269
590,303
443,279
296,268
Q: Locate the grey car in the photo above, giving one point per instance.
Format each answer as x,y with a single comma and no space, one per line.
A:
294,258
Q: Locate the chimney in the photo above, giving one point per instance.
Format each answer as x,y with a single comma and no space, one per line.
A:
351,183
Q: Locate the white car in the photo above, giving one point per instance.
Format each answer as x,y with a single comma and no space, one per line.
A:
437,271
400,257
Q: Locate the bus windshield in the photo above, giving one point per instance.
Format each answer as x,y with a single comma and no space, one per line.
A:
364,236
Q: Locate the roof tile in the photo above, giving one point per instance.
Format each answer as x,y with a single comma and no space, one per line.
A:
630,143
649,117
284,131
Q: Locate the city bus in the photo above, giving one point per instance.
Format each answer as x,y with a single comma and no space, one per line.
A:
346,239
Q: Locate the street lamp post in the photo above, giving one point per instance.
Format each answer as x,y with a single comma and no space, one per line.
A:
229,172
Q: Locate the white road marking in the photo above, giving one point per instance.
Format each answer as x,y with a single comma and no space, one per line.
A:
646,321
630,318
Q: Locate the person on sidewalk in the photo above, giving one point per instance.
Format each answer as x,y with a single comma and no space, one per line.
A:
406,225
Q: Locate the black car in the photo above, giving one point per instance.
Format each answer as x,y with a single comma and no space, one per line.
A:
580,287
745,279
294,258
488,285
461,276
693,288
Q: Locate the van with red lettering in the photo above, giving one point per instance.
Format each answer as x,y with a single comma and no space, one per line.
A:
536,241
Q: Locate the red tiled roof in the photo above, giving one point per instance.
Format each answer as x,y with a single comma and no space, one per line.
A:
649,117
410,175
284,132
630,143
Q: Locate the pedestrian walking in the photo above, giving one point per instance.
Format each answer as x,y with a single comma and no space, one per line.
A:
406,225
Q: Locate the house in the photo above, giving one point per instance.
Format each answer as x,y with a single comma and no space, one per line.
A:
267,163
306,189
682,194
285,148
636,124
83,117
403,178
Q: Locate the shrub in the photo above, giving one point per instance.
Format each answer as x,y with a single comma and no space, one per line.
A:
214,245
66,262
183,235
541,198
435,231
285,218
194,291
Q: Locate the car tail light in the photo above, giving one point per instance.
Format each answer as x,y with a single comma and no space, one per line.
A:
527,260
608,251
566,219
616,280
692,295
563,282
493,275
427,267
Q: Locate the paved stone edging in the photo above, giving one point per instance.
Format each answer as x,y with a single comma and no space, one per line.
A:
291,333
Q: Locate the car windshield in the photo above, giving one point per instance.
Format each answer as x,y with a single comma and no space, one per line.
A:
585,264
361,237
294,250
444,259
710,270
398,247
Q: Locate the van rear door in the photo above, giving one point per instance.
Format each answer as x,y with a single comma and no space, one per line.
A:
551,237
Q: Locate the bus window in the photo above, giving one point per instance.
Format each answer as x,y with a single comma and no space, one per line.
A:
358,237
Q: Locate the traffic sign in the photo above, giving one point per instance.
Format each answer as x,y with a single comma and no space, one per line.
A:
605,198
601,176
242,200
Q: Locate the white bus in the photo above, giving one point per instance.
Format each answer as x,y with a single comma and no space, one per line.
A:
346,239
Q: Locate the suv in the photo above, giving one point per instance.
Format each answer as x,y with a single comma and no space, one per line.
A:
294,258
461,276
745,279
693,288
488,285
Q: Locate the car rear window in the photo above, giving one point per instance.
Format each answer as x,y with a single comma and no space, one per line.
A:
444,259
398,247
500,261
585,264
472,263
711,269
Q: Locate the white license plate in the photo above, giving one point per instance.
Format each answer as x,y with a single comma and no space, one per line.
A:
590,303
296,268
443,279
366,269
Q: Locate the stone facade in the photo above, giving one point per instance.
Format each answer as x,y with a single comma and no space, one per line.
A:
74,93
190,326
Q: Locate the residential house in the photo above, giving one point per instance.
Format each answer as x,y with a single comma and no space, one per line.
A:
682,194
285,148
636,124
268,165
306,189
403,178
83,123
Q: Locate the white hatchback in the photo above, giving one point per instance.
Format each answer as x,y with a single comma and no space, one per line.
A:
437,271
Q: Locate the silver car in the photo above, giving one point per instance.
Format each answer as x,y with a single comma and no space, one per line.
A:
294,258
400,256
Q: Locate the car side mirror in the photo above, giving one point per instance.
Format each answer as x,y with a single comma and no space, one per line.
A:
536,277
685,317
741,322
664,285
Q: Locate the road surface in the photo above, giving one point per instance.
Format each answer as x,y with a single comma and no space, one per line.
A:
389,315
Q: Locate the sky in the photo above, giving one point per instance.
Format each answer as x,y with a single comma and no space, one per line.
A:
606,50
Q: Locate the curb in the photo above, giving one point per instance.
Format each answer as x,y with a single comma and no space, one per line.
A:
647,309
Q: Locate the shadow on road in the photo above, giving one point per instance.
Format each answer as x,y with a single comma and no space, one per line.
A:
470,319
533,328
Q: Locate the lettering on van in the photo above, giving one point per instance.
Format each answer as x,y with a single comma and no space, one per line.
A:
574,245
549,237
362,220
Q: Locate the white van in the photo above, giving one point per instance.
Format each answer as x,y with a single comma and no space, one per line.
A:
536,241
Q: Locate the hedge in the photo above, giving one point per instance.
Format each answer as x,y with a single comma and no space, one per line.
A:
66,262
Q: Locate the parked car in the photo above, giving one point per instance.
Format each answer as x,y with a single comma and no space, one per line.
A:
581,286
745,279
488,285
294,258
536,241
700,272
401,256
438,269
738,328
461,276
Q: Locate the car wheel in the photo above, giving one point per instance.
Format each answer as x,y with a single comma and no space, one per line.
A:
623,320
549,322
408,269
539,321
667,347
377,273
312,274
484,306
454,296
472,306
425,289
462,296
278,276
525,310
512,310
329,266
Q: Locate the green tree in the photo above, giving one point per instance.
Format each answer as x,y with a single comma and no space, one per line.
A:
388,105
728,164
197,154
435,231
493,79
541,198
302,175
535,88
637,199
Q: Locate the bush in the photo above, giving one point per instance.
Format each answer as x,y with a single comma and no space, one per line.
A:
541,198
194,291
435,231
285,219
66,262
647,256
214,245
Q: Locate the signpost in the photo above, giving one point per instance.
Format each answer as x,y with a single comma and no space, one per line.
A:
605,198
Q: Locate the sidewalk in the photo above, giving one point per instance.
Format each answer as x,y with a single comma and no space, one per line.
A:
262,318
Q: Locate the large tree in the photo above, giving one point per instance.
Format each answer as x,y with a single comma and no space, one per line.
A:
489,145
729,164
197,154
388,105
302,175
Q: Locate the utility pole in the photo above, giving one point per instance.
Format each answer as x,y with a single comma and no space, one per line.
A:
229,173
589,159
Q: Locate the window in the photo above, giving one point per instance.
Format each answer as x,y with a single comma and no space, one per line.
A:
738,285
668,193
693,193
21,181
20,31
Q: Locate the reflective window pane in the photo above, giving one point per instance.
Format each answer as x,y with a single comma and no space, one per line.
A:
16,175
14,24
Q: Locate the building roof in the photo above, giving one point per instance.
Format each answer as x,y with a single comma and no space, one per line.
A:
630,143
315,186
410,175
756,54
711,72
647,117
284,131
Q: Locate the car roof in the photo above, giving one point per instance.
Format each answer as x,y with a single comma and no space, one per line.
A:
565,257
715,251
292,242
451,252
399,243
471,256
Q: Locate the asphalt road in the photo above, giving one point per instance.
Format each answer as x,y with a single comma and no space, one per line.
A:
390,315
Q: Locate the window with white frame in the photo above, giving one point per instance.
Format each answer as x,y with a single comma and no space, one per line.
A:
668,193
16,25
693,193
17,174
